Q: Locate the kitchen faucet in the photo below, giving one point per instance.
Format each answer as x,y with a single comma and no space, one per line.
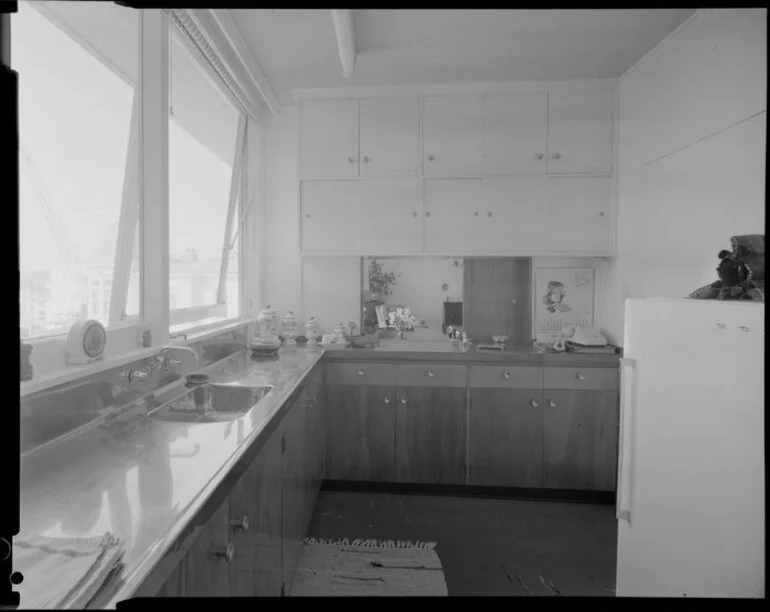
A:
164,359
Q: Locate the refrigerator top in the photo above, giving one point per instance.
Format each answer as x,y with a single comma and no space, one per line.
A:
720,303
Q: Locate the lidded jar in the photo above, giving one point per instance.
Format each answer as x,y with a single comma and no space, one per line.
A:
311,329
267,320
289,323
339,332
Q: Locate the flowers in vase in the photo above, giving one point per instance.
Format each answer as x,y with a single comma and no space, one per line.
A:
401,319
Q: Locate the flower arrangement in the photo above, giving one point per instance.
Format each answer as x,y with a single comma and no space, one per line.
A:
381,280
401,319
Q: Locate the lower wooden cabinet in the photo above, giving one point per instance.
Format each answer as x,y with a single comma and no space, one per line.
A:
580,439
255,517
506,437
362,422
430,434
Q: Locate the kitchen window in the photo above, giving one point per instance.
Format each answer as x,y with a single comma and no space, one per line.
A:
78,158
207,139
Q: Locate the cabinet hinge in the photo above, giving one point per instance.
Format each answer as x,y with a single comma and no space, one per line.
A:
283,590
283,444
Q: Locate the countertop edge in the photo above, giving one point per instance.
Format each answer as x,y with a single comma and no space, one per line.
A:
133,579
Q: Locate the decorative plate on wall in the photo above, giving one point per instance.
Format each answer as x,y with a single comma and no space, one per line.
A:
86,342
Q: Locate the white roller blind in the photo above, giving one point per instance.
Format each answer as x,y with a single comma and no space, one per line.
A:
210,59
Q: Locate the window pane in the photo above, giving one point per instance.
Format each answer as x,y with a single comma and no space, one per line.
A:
202,135
77,65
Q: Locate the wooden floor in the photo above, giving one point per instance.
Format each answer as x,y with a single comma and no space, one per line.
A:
487,546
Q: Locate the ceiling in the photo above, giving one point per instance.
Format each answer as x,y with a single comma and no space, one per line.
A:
297,48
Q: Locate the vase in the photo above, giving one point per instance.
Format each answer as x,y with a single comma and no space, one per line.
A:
400,334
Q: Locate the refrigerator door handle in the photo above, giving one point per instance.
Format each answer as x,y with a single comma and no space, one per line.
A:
623,502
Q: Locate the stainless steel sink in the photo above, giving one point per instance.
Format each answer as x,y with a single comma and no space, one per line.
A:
228,402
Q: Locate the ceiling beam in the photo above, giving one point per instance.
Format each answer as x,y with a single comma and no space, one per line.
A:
346,42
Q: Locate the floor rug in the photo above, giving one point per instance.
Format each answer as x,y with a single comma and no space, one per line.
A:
368,568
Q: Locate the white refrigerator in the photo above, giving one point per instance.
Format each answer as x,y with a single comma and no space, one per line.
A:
691,469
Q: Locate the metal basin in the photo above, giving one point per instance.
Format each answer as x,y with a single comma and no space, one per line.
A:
228,403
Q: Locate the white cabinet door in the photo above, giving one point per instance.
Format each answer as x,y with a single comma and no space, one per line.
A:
391,216
390,136
514,219
515,133
452,214
580,131
329,216
453,135
329,139
579,214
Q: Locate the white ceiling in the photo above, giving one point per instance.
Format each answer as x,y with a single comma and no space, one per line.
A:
297,48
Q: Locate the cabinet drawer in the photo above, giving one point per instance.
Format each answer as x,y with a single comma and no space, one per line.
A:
507,377
414,375
361,374
594,379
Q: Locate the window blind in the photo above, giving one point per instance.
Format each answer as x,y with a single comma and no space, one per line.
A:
199,45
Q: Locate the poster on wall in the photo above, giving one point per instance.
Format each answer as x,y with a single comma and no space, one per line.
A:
564,297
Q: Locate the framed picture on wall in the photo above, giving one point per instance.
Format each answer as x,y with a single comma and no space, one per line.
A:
564,297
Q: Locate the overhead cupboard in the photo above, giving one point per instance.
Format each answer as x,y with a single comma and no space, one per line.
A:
503,173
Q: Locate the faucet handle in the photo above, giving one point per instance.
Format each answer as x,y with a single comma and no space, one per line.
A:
170,362
131,376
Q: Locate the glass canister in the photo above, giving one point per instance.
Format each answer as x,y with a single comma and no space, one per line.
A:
268,322
311,331
289,323
339,333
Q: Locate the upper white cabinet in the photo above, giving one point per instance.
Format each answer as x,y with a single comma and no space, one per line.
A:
329,139
391,216
329,222
452,216
515,133
389,136
580,132
578,219
453,135
514,218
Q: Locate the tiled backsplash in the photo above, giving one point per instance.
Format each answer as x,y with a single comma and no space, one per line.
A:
54,412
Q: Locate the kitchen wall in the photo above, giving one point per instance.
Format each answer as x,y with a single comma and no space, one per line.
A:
327,288
692,119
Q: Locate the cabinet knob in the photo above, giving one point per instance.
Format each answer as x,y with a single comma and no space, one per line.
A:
307,215
431,157
361,372
367,159
539,156
241,523
489,214
414,214
386,400
225,553
551,404
534,403
601,214
476,214
431,374
506,375
403,400
580,376
427,214
351,159
556,155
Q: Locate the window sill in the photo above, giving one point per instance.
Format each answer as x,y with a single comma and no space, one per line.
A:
74,372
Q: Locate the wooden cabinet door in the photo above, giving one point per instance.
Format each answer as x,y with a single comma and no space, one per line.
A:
578,214
452,216
498,299
362,421
514,215
256,566
207,570
293,485
515,132
453,135
391,216
506,437
390,136
430,435
330,216
329,139
580,131
580,439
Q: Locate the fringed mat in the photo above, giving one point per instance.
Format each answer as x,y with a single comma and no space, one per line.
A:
368,568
